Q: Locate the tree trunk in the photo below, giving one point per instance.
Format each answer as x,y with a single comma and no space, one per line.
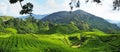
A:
30,14
20,4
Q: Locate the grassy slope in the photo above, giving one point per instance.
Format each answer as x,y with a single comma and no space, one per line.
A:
55,43
31,43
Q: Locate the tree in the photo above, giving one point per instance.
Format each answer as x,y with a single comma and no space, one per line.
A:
76,3
26,9
116,4
73,4
43,27
15,1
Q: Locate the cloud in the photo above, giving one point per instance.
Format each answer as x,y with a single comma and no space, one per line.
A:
3,8
14,9
51,6
9,9
105,10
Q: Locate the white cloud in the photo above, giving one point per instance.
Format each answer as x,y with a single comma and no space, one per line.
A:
105,10
51,6
9,9
14,9
3,8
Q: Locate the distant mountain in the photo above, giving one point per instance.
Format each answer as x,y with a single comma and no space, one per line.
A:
37,16
118,24
81,18
114,22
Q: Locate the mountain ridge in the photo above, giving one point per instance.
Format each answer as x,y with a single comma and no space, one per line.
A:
80,17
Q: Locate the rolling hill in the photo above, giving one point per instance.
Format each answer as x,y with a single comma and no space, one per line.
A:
82,18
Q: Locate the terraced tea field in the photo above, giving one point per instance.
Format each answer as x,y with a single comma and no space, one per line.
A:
55,43
31,43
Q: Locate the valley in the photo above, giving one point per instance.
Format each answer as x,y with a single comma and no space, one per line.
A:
59,32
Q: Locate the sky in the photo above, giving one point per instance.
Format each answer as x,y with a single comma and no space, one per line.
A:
50,6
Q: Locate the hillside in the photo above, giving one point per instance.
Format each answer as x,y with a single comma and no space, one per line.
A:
82,19
33,35
6,17
57,43
114,22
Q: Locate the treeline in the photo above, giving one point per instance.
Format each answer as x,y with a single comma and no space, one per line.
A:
36,26
32,25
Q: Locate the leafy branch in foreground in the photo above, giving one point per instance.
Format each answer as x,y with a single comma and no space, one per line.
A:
15,1
26,9
76,3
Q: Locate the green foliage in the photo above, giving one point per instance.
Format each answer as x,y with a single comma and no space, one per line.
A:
5,18
1,25
10,30
27,26
32,43
95,32
92,41
74,40
55,43
67,29
31,25
103,43
43,27
64,29
83,20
